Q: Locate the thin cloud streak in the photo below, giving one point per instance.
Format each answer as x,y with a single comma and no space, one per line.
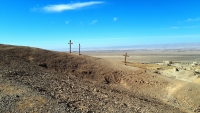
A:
151,37
190,20
196,19
175,27
185,27
72,6
94,21
178,36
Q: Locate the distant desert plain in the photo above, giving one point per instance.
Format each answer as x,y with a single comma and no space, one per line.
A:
145,55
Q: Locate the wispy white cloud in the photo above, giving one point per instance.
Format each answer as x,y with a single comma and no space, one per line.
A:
175,27
67,22
190,20
146,37
177,36
195,19
196,26
71,6
115,18
185,27
94,21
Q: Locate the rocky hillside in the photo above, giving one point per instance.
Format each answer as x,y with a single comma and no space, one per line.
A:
36,80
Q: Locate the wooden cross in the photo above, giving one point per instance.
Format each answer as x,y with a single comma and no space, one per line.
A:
70,43
126,55
79,49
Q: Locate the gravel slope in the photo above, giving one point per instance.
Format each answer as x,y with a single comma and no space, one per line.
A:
35,80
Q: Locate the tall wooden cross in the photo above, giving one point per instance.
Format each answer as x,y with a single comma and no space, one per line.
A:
126,55
70,47
79,49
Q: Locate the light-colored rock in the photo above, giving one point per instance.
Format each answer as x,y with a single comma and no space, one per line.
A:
194,64
165,62
197,71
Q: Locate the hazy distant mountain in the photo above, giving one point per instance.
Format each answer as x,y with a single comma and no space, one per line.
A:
163,46
156,46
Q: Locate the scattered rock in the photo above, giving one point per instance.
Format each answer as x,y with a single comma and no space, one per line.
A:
55,83
175,69
43,65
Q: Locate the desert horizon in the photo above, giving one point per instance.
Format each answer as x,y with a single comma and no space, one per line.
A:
176,46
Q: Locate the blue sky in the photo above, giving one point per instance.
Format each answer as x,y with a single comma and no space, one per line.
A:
50,24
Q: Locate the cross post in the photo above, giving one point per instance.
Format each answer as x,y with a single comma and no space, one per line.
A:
70,43
126,55
79,49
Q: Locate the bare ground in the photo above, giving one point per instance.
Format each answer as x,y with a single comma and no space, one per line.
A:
35,80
